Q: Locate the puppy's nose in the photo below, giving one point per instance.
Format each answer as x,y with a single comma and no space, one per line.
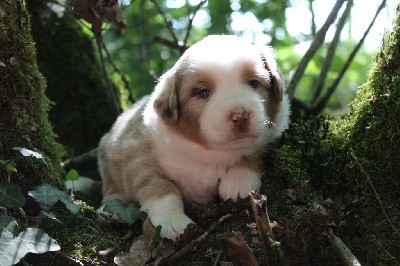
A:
240,120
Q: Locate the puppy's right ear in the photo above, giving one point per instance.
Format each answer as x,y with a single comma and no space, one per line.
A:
166,103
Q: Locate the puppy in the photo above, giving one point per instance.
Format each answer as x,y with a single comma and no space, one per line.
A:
200,134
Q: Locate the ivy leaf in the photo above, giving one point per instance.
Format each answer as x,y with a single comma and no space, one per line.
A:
8,227
47,196
11,196
72,175
51,216
28,153
10,166
32,240
72,207
2,64
129,213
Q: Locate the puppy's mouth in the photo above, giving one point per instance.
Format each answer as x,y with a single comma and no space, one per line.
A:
240,141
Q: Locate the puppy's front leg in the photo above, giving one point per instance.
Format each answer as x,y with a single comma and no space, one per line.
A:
238,182
168,211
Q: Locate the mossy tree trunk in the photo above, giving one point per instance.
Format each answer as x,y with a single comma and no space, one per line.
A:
352,163
23,104
83,108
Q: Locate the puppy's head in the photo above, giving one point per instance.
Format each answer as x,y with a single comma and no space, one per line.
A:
224,93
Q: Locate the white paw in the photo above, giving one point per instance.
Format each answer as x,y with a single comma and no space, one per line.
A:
238,182
172,224
168,212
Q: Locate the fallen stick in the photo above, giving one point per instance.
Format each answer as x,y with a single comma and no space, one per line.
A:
273,254
237,249
339,247
194,243
346,256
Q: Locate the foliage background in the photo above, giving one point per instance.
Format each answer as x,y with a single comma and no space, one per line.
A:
142,59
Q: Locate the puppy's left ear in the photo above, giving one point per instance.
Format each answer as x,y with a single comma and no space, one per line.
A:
276,80
166,103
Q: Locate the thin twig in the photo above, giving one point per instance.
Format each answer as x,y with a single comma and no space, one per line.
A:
194,243
143,48
71,261
167,21
218,258
313,25
144,56
317,42
297,103
346,256
324,100
79,160
330,54
103,66
170,44
377,196
190,23
116,69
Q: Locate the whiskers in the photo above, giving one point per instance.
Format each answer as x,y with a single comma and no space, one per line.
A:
268,123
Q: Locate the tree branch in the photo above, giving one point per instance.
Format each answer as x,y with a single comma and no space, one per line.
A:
330,54
190,23
346,256
170,44
116,69
103,67
168,23
317,42
79,160
313,25
324,100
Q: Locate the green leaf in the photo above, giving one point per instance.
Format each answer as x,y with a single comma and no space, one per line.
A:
11,196
128,213
72,175
2,64
8,226
28,153
72,207
32,240
9,165
51,216
47,196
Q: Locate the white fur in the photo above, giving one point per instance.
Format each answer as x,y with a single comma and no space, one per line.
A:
145,158
167,212
238,182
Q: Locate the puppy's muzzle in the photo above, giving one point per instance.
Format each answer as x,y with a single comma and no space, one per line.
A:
240,120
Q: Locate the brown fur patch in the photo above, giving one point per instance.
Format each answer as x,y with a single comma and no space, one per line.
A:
250,72
191,106
271,104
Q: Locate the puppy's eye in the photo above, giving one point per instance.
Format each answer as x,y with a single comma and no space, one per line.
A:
203,93
253,83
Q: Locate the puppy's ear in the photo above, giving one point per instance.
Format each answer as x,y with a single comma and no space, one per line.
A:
277,82
166,103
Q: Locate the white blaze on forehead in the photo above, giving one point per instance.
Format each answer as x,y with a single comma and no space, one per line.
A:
222,50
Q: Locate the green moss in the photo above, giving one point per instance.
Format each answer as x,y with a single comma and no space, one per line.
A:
23,103
317,155
82,237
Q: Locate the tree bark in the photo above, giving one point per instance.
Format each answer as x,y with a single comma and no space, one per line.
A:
23,104
83,109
